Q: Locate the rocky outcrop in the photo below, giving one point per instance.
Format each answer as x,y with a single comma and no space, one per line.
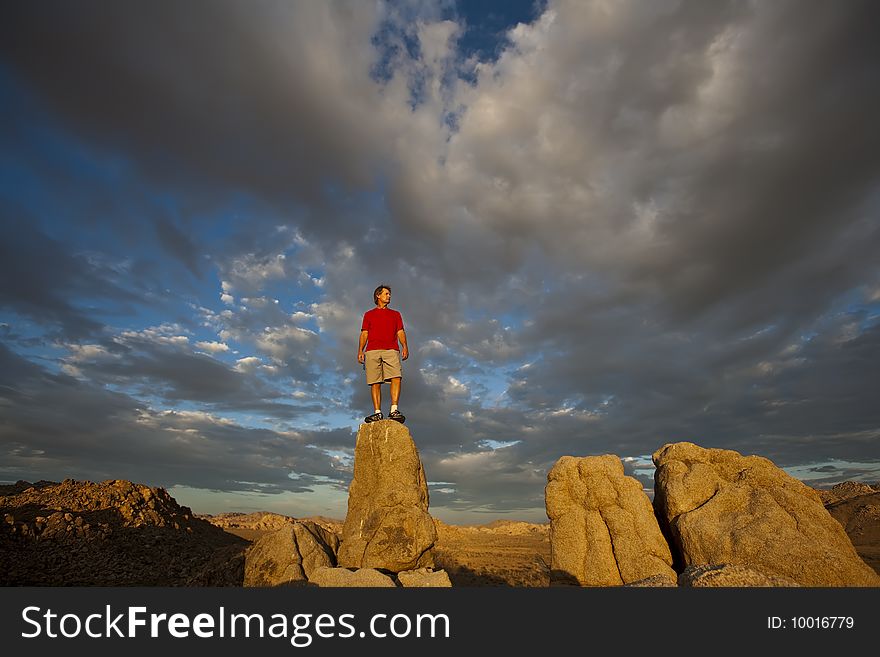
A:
655,581
257,522
288,556
21,486
719,507
424,578
387,525
343,577
373,578
859,515
846,490
602,526
724,575
114,533
135,505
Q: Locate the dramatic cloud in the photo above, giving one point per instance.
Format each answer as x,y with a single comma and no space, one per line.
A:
608,226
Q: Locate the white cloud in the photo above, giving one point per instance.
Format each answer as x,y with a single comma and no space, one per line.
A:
251,272
165,334
180,419
89,353
213,347
248,364
336,317
257,302
432,347
455,387
284,342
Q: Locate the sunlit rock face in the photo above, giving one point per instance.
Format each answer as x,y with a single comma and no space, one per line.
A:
602,526
387,525
720,507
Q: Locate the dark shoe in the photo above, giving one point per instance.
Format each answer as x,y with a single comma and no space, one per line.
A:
374,417
397,415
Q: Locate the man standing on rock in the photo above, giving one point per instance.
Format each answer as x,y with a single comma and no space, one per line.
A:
381,330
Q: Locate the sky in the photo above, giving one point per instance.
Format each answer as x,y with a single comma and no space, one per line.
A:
608,226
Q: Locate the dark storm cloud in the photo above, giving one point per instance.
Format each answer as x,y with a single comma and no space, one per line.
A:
748,248
210,91
158,362
14,367
756,190
55,425
806,403
179,245
493,480
835,475
793,403
41,280
739,204
666,211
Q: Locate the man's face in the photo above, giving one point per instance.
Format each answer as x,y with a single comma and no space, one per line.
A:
384,297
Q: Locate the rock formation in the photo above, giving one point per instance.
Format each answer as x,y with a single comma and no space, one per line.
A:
289,555
343,577
387,525
115,533
723,575
719,507
372,578
655,581
859,515
424,578
602,526
846,490
258,521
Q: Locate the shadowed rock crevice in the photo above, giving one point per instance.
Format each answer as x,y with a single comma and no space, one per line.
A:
614,550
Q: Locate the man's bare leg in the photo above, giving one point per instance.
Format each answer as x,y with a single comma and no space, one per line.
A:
395,390
395,396
376,392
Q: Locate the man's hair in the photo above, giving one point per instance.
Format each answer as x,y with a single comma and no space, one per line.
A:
377,291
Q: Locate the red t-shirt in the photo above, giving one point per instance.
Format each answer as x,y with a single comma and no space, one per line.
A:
382,324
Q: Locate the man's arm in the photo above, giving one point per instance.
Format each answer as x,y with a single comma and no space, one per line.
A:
404,350
362,342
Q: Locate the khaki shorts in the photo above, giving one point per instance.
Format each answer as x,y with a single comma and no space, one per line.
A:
382,365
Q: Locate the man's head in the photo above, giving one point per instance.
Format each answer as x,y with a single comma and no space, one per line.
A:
382,291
